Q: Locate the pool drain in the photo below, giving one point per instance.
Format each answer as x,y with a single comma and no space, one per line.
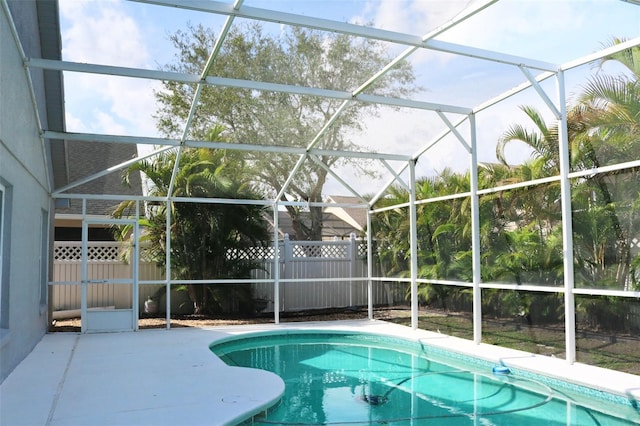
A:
375,399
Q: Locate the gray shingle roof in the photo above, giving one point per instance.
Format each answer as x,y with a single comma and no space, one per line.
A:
87,158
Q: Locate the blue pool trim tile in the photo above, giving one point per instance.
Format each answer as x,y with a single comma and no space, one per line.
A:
526,374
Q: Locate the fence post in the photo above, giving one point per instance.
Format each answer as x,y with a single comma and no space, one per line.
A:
286,266
353,257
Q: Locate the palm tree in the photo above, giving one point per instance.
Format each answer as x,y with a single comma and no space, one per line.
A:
543,142
610,107
206,238
603,128
391,234
444,234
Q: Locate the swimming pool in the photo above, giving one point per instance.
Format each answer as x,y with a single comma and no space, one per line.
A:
359,378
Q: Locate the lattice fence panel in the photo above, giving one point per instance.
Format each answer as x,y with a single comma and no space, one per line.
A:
67,253
103,253
300,251
96,252
362,250
326,250
252,253
336,251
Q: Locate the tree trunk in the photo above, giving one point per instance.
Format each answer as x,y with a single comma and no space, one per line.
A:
197,296
315,231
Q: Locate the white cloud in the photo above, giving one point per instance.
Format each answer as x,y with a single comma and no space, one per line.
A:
519,28
133,102
519,23
105,123
103,32
74,124
111,31
522,27
415,16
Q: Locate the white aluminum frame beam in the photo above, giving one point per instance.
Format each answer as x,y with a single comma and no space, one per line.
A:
352,29
397,176
276,263
167,271
567,224
198,92
402,56
32,96
174,143
239,201
328,169
52,64
536,85
274,149
108,171
601,54
454,130
390,182
475,233
444,133
369,267
564,67
413,246
293,172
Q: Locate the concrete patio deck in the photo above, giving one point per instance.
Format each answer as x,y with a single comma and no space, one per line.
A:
170,377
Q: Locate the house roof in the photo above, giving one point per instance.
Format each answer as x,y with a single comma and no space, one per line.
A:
337,222
38,25
68,161
355,217
87,158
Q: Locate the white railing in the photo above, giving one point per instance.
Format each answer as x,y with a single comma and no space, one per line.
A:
314,275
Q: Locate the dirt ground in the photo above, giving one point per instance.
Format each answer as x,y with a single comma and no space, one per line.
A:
74,325
621,352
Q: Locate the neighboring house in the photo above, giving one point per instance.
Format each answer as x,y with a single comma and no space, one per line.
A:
84,159
341,222
337,222
26,178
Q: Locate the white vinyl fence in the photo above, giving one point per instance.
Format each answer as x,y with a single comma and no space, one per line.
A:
320,274
313,274
103,264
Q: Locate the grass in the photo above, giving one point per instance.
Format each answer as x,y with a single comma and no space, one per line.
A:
615,352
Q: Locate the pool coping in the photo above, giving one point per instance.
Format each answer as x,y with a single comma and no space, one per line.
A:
579,380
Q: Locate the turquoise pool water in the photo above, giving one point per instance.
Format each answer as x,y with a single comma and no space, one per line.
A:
349,378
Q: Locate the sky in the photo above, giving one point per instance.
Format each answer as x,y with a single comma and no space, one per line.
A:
130,34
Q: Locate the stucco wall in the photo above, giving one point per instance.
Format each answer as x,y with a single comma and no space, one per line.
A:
23,173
